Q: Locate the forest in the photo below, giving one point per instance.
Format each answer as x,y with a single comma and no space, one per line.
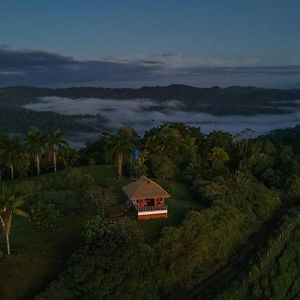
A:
232,233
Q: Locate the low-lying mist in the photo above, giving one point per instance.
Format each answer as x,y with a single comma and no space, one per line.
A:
142,114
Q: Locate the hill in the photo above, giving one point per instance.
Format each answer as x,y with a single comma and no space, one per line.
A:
215,100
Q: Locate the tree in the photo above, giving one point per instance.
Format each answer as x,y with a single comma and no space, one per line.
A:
10,148
68,157
10,204
54,140
241,140
3,138
220,139
218,156
111,262
163,167
117,147
163,139
23,164
35,142
103,198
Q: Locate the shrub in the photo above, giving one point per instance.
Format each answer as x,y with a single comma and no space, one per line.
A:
44,215
57,290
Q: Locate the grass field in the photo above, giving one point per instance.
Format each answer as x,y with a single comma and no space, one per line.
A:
37,257
181,202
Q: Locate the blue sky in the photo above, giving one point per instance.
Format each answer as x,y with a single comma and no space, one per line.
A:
134,43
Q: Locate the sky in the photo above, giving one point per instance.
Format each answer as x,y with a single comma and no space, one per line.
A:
133,43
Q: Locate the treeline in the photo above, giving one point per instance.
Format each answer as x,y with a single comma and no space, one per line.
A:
287,136
205,162
233,100
18,120
38,152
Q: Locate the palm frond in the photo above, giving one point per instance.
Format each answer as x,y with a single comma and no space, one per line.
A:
20,212
17,203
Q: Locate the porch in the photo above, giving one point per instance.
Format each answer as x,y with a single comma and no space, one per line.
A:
161,207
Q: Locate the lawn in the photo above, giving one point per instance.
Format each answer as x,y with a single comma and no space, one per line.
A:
38,257
181,202
178,205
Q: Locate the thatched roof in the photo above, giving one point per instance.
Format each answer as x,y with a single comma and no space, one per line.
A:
144,188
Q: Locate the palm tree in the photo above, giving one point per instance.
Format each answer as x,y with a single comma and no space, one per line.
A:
68,157
35,142
117,147
9,204
10,148
2,161
54,140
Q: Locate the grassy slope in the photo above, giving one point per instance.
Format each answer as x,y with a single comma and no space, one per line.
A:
38,257
181,201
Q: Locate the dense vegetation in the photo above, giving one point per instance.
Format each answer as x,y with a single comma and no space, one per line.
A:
238,185
274,273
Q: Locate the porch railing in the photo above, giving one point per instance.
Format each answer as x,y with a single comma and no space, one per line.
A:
151,208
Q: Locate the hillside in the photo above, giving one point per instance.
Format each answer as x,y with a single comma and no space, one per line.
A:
233,214
215,100
42,254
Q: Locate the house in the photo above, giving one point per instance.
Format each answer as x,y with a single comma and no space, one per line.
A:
148,198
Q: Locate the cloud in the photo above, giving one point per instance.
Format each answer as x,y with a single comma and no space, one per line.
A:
273,70
41,68
44,68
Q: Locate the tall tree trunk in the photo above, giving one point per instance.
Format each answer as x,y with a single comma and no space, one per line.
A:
2,222
7,243
37,158
54,160
3,226
6,223
120,164
12,171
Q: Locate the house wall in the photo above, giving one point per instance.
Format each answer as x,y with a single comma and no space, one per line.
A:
159,201
153,216
140,203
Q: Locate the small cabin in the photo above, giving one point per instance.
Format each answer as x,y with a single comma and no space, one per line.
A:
148,198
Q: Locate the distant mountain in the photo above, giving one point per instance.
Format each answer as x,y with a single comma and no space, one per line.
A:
215,100
19,120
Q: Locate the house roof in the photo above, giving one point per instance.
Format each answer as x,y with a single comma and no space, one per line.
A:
144,188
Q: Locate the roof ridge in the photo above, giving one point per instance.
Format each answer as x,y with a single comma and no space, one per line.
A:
137,187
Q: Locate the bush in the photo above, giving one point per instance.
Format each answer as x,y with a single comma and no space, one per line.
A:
67,202
44,216
58,291
111,263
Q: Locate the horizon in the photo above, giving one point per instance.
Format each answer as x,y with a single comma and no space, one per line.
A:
144,86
